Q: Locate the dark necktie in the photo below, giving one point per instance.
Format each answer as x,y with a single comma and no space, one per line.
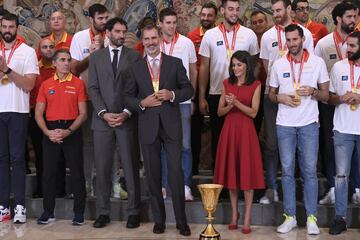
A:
115,61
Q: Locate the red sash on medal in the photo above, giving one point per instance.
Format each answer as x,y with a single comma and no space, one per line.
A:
229,51
304,58
282,48
18,42
354,88
337,40
173,42
155,80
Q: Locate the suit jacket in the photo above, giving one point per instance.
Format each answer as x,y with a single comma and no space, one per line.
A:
139,86
105,90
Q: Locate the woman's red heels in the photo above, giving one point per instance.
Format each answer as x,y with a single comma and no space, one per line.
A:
234,226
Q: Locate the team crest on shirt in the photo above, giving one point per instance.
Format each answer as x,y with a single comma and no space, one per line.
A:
51,91
332,56
344,78
86,50
219,43
274,44
286,75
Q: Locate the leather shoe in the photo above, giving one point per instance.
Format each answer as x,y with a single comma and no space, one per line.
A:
101,221
133,221
159,228
184,229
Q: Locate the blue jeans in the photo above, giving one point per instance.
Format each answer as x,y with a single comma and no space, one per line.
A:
306,141
344,146
186,155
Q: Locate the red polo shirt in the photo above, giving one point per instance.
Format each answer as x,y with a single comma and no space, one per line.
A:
196,36
64,42
62,97
46,72
317,30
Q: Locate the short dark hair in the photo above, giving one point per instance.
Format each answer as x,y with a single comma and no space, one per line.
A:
96,8
3,11
256,12
294,27
150,27
355,34
244,57
340,9
111,23
286,2
61,50
356,3
223,2
11,17
166,12
145,21
210,5
295,2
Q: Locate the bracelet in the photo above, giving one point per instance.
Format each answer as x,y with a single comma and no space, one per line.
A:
71,131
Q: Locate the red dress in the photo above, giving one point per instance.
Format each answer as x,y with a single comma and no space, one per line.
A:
238,162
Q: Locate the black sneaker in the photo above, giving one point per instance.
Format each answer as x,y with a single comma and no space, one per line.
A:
78,219
338,226
46,218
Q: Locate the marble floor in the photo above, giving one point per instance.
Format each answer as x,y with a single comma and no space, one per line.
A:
63,230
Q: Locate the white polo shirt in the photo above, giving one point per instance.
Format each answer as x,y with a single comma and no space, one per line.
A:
345,120
269,47
314,73
184,49
213,46
13,98
326,49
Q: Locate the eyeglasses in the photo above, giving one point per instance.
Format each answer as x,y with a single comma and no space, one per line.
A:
303,9
47,46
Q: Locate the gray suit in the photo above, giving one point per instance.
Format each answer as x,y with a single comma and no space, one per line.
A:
105,92
161,126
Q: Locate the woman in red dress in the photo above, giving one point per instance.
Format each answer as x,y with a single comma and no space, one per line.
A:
238,158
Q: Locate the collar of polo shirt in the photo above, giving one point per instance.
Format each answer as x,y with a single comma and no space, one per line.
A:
42,65
62,40
67,79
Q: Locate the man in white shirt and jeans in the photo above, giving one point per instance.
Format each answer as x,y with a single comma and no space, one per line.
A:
18,71
294,83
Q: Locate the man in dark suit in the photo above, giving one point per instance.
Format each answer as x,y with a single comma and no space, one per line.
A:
155,87
113,124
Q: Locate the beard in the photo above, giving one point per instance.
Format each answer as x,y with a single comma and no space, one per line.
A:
8,37
295,51
230,22
281,20
206,24
347,28
99,28
354,56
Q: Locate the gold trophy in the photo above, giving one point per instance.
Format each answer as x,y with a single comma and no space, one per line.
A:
210,195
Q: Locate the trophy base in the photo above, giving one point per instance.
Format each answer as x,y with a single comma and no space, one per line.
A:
209,233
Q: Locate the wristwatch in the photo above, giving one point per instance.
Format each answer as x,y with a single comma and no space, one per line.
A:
8,71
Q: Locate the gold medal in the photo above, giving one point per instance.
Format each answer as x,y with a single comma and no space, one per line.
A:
155,85
354,107
229,53
5,80
282,53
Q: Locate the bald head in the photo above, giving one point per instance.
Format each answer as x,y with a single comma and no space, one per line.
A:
57,22
47,48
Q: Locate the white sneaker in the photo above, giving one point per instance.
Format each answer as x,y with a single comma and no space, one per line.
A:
270,196
20,214
312,228
289,224
4,214
356,196
188,195
329,198
163,191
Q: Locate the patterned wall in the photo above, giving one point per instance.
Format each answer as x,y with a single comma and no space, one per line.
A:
34,14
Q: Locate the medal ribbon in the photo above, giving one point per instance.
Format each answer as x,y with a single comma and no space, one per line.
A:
223,31
303,60
336,37
151,72
173,42
280,45
92,35
13,48
352,76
